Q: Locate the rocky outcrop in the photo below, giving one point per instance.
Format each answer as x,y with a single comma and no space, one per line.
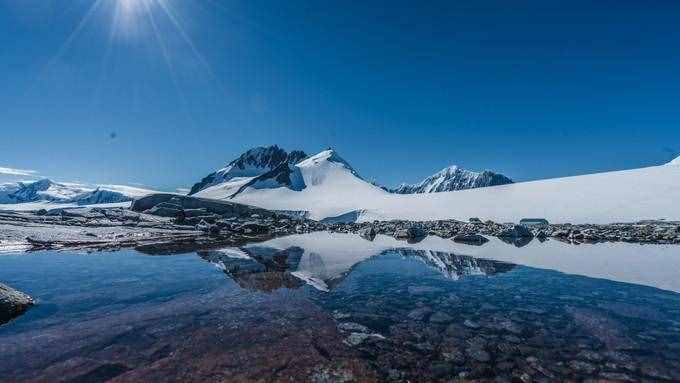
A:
178,202
12,303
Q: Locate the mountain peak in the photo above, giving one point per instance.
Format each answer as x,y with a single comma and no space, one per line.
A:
328,155
254,162
453,178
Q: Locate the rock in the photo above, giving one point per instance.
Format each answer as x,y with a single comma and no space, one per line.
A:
517,231
13,303
440,369
171,211
254,228
208,228
41,212
471,324
420,313
478,354
440,317
353,327
470,239
368,233
582,367
475,220
355,338
223,208
412,232
189,213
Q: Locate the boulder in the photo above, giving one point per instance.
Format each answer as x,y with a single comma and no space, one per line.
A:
470,239
208,228
222,208
164,211
190,213
254,228
13,303
410,233
517,231
367,233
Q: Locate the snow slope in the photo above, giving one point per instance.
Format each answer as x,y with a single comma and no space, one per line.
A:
454,178
675,162
333,188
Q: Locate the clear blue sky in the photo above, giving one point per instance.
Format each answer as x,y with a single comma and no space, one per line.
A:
162,92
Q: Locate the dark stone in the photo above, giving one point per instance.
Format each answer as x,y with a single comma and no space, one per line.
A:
412,232
163,211
368,233
13,303
223,208
470,239
517,231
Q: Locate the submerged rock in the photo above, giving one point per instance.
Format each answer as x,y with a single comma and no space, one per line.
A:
13,303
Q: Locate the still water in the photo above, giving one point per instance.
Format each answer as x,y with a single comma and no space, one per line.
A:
338,308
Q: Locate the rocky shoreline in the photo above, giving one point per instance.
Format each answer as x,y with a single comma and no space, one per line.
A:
166,222
645,232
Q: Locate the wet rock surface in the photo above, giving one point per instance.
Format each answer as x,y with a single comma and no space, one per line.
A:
13,303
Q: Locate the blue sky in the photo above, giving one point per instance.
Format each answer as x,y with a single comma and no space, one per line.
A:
160,93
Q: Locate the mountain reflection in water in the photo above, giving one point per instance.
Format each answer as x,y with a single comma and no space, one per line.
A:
326,307
266,269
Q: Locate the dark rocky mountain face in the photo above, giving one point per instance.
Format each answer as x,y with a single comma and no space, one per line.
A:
253,163
454,178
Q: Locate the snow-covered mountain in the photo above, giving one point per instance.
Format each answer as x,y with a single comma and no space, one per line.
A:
49,191
333,189
675,161
454,178
258,167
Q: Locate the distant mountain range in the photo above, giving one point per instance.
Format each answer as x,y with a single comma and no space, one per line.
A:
273,167
46,190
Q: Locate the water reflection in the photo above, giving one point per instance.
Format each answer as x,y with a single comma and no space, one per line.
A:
267,268
650,265
338,307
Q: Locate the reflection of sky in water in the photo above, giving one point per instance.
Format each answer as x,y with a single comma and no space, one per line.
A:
422,298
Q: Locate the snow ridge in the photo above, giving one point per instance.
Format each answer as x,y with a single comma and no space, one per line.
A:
454,178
